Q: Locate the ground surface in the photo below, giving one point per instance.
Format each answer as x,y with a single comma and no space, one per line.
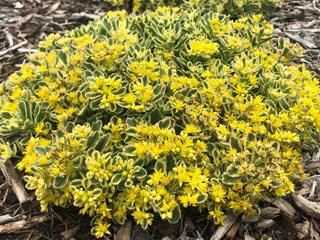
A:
24,23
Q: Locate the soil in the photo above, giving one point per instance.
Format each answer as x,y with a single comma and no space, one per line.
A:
24,23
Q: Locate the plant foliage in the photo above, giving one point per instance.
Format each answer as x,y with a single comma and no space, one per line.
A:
235,8
145,115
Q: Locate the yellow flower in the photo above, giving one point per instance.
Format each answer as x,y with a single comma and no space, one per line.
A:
142,218
257,17
203,47
145,68
83,41
218,27
9,107
218,193
156,178
104,210
218,215
189,200
191,128
181,174
5,153
101,229
40,129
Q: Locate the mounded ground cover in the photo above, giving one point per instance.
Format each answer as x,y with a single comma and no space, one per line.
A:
193,110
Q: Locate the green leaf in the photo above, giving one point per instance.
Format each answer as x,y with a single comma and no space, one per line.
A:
128,183
215,155
97,192
141,173
6,115
60,182
271,103
23,111
76,162
226,179
158,89
171,163
112,107
103,142
217,172
284,104
276,184
165,123
232,171
144,225
92,95
202,198
120,221
69,127
160,166
132,122
121,187
131,131
285,51
210,147
76,183
115,160
258,162
93,140
25,140
176,215
28,124
96,126
95,104
41,150
116,179
59,134
154,116
235,143
63,57
276,145
83,172
281,43
128,150
114,120
251,137
86,183
158,97
120,91
186,120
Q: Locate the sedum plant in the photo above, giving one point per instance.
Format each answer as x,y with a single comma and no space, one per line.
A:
143,116
235,8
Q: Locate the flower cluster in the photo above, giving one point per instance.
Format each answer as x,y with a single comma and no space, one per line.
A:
144,115
235,8
5,152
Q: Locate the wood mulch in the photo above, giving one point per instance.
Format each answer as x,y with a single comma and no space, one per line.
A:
24,23
299,20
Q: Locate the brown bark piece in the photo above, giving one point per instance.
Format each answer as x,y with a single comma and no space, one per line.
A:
250,218
265,224
285,207
310,208
303,229
124,232
14,180
232,233
22,224
248,237
270,212
223,229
